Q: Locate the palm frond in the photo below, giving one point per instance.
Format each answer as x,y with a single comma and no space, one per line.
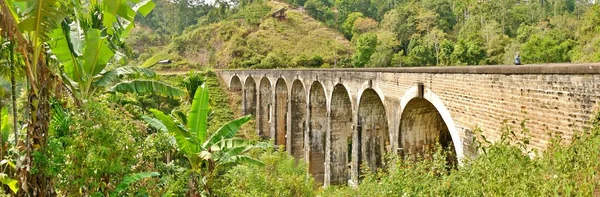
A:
199,113
226,131
147,87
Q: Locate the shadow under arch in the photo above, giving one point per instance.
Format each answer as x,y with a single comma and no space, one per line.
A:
264,108
281,111
298,119
372,131
235,84
426,121
317,128
341,135
250,97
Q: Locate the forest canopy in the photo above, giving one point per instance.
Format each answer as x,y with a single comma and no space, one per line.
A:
387,33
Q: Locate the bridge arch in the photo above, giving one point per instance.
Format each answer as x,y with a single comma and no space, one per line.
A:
298,119
425,119
250,96
316,131
235,84
372,130
264,108
281,111
341,135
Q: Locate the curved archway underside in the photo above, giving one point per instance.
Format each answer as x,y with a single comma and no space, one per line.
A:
281,108
341,135
316,132
250,97
372,131
264,108
422,128
298,119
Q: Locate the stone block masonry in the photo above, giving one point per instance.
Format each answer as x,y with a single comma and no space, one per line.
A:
342,120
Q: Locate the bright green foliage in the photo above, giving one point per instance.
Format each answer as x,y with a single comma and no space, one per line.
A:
280,176
92,147
365,47
319,10
195,143
112,76
207,154
468,52
427,33
546,49
503,168
147,87
4,178
348,25
588,47
5,127
131,179
89,54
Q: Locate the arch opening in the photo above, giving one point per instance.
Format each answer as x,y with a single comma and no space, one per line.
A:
298,119
422,128
317,130
235,86
372,131
341,135
281,111
250,97
264,108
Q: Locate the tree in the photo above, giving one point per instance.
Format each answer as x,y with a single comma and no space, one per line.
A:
363,25
206,154
348,24
365,47
31,25
319,10
545,49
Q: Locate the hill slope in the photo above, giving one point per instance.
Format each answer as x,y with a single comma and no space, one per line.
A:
252,38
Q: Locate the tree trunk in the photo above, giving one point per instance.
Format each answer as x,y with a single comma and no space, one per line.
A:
38,184
13,92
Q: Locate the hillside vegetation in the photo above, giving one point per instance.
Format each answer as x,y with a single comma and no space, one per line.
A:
384,33
251,38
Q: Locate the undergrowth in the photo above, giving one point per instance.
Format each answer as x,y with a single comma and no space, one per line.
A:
503,168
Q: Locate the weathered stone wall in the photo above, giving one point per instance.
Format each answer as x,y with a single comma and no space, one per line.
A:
281,111
556,99
421,127
316,131
265,102
250,97
340,135
372,131
237,87
298,126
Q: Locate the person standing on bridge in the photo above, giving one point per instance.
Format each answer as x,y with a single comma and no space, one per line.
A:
518,59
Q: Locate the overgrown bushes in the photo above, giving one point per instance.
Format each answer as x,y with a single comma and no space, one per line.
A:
503,169
280,176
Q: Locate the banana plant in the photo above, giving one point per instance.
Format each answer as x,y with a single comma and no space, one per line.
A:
90,53
31,25
5,179
206,153
132,178
28,24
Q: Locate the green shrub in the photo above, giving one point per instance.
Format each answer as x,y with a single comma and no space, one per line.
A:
280,176
94,151
313,62
503,169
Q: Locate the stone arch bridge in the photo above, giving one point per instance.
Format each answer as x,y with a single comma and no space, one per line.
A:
336,119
